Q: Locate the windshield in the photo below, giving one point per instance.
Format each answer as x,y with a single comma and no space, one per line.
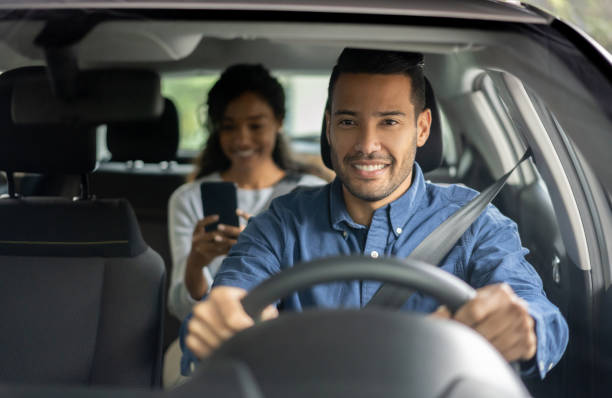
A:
149,156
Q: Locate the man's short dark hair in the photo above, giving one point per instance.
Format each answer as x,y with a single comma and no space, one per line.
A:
353,60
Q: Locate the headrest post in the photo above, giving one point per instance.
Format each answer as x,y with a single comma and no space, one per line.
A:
10,179
85,187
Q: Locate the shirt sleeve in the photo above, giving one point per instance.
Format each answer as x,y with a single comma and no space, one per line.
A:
188,359
498,257
257,254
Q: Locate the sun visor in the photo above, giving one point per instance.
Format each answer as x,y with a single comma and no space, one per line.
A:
102,96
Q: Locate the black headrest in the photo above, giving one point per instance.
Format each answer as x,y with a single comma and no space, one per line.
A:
61,227
97,96
39,148
150,141
429,156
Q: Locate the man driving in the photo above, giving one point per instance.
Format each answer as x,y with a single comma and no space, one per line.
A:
380,205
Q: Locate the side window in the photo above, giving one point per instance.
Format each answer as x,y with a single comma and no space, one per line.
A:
188,92
3,184
305,96
102,152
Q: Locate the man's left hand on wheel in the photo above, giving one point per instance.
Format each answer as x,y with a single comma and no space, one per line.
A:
499,315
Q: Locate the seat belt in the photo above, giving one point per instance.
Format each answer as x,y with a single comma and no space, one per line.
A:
434,248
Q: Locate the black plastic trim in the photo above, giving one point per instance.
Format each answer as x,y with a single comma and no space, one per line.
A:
584,44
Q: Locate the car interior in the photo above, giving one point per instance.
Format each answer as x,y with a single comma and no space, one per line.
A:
93,144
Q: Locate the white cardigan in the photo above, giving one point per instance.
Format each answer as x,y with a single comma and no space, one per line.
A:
185,210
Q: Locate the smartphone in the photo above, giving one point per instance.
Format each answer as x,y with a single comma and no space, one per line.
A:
220,198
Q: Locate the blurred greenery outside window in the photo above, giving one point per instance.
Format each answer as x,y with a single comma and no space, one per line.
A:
305,96
592,16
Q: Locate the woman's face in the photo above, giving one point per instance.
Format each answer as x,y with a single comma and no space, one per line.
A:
248,131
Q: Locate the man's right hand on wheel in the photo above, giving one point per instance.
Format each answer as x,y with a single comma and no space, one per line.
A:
218,318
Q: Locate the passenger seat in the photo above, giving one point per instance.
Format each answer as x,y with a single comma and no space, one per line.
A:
81,294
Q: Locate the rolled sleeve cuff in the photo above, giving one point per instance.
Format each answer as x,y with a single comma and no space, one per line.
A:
188,359
542,362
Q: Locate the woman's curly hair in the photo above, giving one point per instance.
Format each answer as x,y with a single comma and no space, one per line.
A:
235,81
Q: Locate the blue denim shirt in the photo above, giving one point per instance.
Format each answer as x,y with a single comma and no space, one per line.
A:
311,223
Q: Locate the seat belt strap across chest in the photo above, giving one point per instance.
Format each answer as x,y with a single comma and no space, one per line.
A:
434,248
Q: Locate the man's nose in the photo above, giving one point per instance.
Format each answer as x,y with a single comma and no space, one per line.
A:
368,140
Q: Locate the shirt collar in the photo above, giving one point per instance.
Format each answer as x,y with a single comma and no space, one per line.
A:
399,211
337,209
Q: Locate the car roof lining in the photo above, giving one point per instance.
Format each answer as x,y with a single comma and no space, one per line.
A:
168,41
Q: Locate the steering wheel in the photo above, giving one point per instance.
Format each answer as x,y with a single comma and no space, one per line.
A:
446,288
338,353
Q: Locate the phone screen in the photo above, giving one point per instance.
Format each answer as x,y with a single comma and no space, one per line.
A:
219,198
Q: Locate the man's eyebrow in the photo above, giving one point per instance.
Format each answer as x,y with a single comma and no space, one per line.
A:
389,113
377,114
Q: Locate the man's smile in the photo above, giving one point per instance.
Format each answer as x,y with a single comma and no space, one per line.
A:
370,168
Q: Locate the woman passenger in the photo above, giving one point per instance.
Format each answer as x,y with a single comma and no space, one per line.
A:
246,107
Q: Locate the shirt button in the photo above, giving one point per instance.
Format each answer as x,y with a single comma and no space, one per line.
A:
398,230
344,234
550,366
374,254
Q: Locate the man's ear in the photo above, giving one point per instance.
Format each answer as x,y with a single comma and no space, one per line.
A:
327,124
423,126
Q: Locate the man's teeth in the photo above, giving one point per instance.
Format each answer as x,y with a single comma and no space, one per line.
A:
372,167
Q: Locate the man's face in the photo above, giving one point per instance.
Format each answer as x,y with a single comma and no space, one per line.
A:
373,134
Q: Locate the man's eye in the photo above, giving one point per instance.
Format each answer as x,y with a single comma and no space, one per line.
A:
255,126
227,127
390,122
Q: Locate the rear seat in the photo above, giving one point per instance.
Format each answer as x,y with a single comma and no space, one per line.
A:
142,170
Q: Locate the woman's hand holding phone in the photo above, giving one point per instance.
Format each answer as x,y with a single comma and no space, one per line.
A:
205,246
